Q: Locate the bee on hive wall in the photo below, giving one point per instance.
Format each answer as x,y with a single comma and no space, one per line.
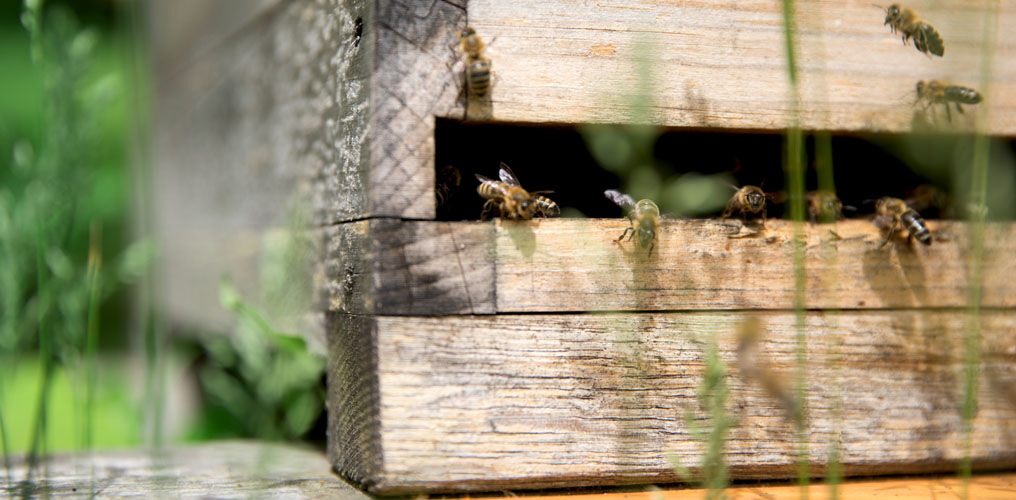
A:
643,218
511,200
477,65
748,201
935,92
906,22
893,214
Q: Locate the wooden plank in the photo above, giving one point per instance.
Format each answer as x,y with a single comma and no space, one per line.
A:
412,82
558,265
536,401
576,265
353,406
723,64
386,266
985,487
223,469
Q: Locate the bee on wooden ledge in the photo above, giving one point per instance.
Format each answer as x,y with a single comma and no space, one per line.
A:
893,214
643,218
511,200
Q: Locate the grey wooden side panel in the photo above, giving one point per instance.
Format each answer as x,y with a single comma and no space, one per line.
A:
415,79
354,440
386,266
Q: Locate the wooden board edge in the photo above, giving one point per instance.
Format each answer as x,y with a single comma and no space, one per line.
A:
354,444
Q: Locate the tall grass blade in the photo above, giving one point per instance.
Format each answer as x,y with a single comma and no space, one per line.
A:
793,165
979,172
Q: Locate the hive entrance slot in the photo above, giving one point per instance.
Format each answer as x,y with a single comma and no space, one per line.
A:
866,166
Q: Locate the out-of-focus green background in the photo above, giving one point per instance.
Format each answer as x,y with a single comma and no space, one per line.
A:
86,362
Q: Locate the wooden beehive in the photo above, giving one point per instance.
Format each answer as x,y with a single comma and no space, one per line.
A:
468,355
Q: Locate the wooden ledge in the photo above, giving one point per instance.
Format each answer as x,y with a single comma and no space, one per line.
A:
398,267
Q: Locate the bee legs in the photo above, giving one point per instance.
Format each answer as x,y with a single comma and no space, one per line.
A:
888,235
487,208
625,233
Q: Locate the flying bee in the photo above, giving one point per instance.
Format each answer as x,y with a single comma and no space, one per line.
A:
477,65
643,218
757,368
906,22
893,214
748,201
511,201
823,205
935,92
929,201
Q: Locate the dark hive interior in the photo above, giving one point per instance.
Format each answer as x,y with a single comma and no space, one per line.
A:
558,159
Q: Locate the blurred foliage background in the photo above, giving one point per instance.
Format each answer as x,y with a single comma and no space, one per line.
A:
85,360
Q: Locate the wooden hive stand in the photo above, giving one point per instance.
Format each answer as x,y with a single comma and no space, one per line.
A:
478,356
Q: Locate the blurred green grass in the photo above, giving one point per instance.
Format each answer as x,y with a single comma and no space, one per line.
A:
115,412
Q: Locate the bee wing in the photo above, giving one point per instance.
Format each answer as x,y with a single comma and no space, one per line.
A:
483,179
507,176
777,196
622,200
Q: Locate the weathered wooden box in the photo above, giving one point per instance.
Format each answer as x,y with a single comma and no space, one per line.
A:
469,355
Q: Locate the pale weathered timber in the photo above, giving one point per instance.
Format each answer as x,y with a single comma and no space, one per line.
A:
1000,486
224,469
578,265
527,401
723,64
385,266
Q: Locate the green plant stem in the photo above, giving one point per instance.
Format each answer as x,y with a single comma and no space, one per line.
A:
38,436
980,163
795,183
92,335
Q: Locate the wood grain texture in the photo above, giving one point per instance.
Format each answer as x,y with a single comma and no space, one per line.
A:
576,265
412,82
559,265
723,64
353,405
527,401
223,469
985,487
386,266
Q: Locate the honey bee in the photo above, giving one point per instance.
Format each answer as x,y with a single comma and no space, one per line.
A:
823,205
477,65
929,201
893,214
935,92
643,218
511,201
447,180
905,21
748,200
